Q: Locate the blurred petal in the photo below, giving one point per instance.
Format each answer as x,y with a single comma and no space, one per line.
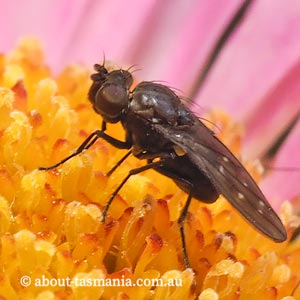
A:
283,185
183,38
273,113
258,72
112,28
53,22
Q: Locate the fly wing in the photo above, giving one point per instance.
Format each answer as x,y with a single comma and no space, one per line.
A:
227,174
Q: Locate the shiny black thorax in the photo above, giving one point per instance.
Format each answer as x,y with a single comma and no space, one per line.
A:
150,104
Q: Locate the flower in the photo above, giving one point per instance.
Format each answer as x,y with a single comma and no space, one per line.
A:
53,243
56,215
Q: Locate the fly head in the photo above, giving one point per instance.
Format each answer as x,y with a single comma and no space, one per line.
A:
109,93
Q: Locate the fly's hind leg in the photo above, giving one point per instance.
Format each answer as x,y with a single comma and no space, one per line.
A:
181,222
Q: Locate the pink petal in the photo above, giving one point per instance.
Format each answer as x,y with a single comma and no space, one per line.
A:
273,113
283,185
111,28
182,39
257,74
53,22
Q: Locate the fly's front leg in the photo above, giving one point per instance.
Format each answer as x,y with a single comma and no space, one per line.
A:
89,141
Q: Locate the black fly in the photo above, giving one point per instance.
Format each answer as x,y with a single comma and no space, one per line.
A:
161,130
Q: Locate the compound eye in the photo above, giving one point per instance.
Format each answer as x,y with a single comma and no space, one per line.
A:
110,101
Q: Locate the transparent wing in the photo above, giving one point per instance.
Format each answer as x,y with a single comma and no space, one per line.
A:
227,174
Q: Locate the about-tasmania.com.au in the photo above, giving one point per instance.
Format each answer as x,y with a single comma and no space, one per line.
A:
43,281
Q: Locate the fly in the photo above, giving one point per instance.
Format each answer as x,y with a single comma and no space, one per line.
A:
174,142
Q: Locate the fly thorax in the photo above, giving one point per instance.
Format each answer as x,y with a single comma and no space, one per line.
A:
155,103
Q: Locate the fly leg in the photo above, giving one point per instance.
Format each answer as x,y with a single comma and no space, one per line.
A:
145,155
150,165
118,163
89,141
181,222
